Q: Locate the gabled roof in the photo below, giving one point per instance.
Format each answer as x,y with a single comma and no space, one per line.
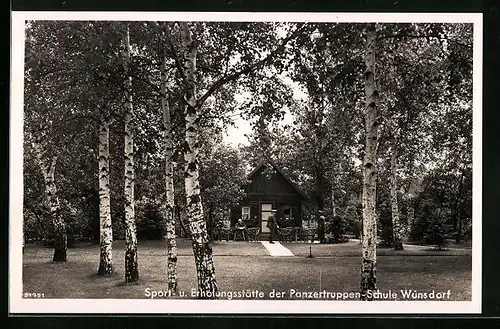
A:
278,169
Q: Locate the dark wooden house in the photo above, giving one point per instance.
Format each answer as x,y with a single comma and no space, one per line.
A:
268,188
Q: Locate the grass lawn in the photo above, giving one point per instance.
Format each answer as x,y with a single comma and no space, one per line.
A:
247,265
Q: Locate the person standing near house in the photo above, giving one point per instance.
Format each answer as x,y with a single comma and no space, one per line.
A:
321,228
272,225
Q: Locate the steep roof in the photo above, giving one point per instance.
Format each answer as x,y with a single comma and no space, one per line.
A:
278,169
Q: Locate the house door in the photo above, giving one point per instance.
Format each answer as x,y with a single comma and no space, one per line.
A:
266,212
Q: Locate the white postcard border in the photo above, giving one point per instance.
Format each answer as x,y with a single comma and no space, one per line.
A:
51,306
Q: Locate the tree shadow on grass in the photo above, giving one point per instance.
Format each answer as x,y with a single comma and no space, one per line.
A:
437,250
128,284
95,275
51,262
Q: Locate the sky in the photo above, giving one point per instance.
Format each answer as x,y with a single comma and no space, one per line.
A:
236,135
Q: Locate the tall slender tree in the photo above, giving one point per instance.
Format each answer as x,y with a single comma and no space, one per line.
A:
42,112
187,67
369,249
197,226
131,266
411,88
48,169
170,235
105,224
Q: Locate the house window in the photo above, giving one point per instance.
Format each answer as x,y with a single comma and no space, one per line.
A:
287,212
245,213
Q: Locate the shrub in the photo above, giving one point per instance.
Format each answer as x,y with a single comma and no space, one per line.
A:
387,237
149,221
436,234
285,222
336,230
355,227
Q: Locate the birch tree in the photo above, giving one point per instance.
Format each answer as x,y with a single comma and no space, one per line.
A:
104,94
105,224
197,226
411,88
43,125
99,62
48,169
170,236
47,158
328,64
187,67
369,249
131,266
82,62
101,90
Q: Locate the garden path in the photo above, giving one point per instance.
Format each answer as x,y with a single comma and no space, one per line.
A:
276,249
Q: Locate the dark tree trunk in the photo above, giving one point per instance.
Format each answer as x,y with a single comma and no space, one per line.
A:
181,222
397,242
320,189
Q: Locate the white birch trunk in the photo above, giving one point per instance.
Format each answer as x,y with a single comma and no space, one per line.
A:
334,210
396,222
202,250
170,236
369,249
131,267
106,232
59,227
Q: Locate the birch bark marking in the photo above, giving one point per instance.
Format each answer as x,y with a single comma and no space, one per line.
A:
202,250
169,185
334,210
369,249
60,236
396,223
131,267
106,232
